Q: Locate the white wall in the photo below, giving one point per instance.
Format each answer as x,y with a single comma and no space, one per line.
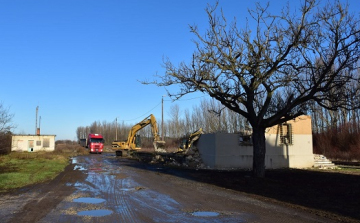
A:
35,143
223,150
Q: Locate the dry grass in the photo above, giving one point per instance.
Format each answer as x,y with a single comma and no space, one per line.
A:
19,169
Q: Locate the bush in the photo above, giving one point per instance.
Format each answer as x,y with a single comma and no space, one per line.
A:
70,148
5,143
340,143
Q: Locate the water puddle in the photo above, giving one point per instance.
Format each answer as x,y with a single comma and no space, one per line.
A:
77,184
74,160
99,172
77,167
205,214
127,189
96,169
89,200
132,189
95,213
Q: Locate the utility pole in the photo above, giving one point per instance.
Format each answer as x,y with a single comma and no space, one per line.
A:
37,110
116,129
162,117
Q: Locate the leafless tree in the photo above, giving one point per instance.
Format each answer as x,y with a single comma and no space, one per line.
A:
175,126
6,126
5,119
269,73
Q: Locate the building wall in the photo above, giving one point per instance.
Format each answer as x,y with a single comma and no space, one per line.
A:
224,151
33,143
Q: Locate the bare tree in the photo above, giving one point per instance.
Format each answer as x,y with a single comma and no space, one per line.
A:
6,126
270,73
5,119
175,130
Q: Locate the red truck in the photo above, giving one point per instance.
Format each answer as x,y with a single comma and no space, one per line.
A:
95,143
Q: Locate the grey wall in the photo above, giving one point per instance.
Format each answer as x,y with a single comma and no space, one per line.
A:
223,151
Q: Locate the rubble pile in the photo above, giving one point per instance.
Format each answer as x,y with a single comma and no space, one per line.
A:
191,159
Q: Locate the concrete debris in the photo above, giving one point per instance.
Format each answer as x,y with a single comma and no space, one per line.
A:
190,160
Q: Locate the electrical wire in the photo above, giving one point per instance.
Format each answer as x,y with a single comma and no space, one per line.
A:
186,99
146,113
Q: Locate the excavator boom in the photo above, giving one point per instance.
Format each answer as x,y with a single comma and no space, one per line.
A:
188,142
123,146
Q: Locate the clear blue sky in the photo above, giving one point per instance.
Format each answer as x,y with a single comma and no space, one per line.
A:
81,60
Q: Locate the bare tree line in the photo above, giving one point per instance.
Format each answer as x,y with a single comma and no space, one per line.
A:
330,116
212,116
202,116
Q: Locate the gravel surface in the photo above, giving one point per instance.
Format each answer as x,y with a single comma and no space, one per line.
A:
105,188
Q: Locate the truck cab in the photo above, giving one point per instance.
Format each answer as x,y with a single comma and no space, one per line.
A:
95,143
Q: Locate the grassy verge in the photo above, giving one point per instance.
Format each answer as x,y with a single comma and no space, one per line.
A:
19,169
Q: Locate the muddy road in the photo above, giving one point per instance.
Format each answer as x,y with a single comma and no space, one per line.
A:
104,188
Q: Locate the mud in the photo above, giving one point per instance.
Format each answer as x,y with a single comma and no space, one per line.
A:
105,188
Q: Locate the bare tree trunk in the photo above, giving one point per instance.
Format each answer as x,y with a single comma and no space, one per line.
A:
259,150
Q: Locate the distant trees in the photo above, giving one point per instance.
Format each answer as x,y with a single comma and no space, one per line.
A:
176,126
6,126
341,141
277,70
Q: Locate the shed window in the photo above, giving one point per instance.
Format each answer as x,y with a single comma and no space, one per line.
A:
245,140
286,135
38,143
46,143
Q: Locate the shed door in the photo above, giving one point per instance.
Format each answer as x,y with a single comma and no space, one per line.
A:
30,145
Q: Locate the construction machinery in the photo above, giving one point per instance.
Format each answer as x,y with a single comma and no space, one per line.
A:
187,142
122,148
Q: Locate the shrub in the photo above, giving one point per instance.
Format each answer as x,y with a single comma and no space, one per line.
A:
5,142
341,143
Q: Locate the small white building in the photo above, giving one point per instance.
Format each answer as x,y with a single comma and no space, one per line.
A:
33,143
288,145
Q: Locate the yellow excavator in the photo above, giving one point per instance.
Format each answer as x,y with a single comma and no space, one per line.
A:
122,148
187,142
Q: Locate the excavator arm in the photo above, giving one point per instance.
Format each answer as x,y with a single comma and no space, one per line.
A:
132,133
130,143
186,145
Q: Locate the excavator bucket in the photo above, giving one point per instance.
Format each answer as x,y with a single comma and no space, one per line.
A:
159,146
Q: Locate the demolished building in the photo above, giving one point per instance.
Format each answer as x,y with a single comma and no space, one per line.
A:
288,145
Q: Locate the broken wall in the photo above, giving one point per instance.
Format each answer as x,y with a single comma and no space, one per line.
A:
287,146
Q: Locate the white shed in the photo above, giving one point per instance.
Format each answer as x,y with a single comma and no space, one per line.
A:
33,143
287,146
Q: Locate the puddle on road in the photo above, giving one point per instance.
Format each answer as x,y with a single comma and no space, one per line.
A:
95,213
127,189
205,214
132,189
89,200
74,160
77,167
99,172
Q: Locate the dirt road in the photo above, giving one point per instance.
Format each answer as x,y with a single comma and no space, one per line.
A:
104,188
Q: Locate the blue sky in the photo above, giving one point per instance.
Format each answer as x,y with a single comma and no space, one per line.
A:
81,60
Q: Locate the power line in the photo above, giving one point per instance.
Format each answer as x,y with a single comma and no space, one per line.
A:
186,99
145,114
